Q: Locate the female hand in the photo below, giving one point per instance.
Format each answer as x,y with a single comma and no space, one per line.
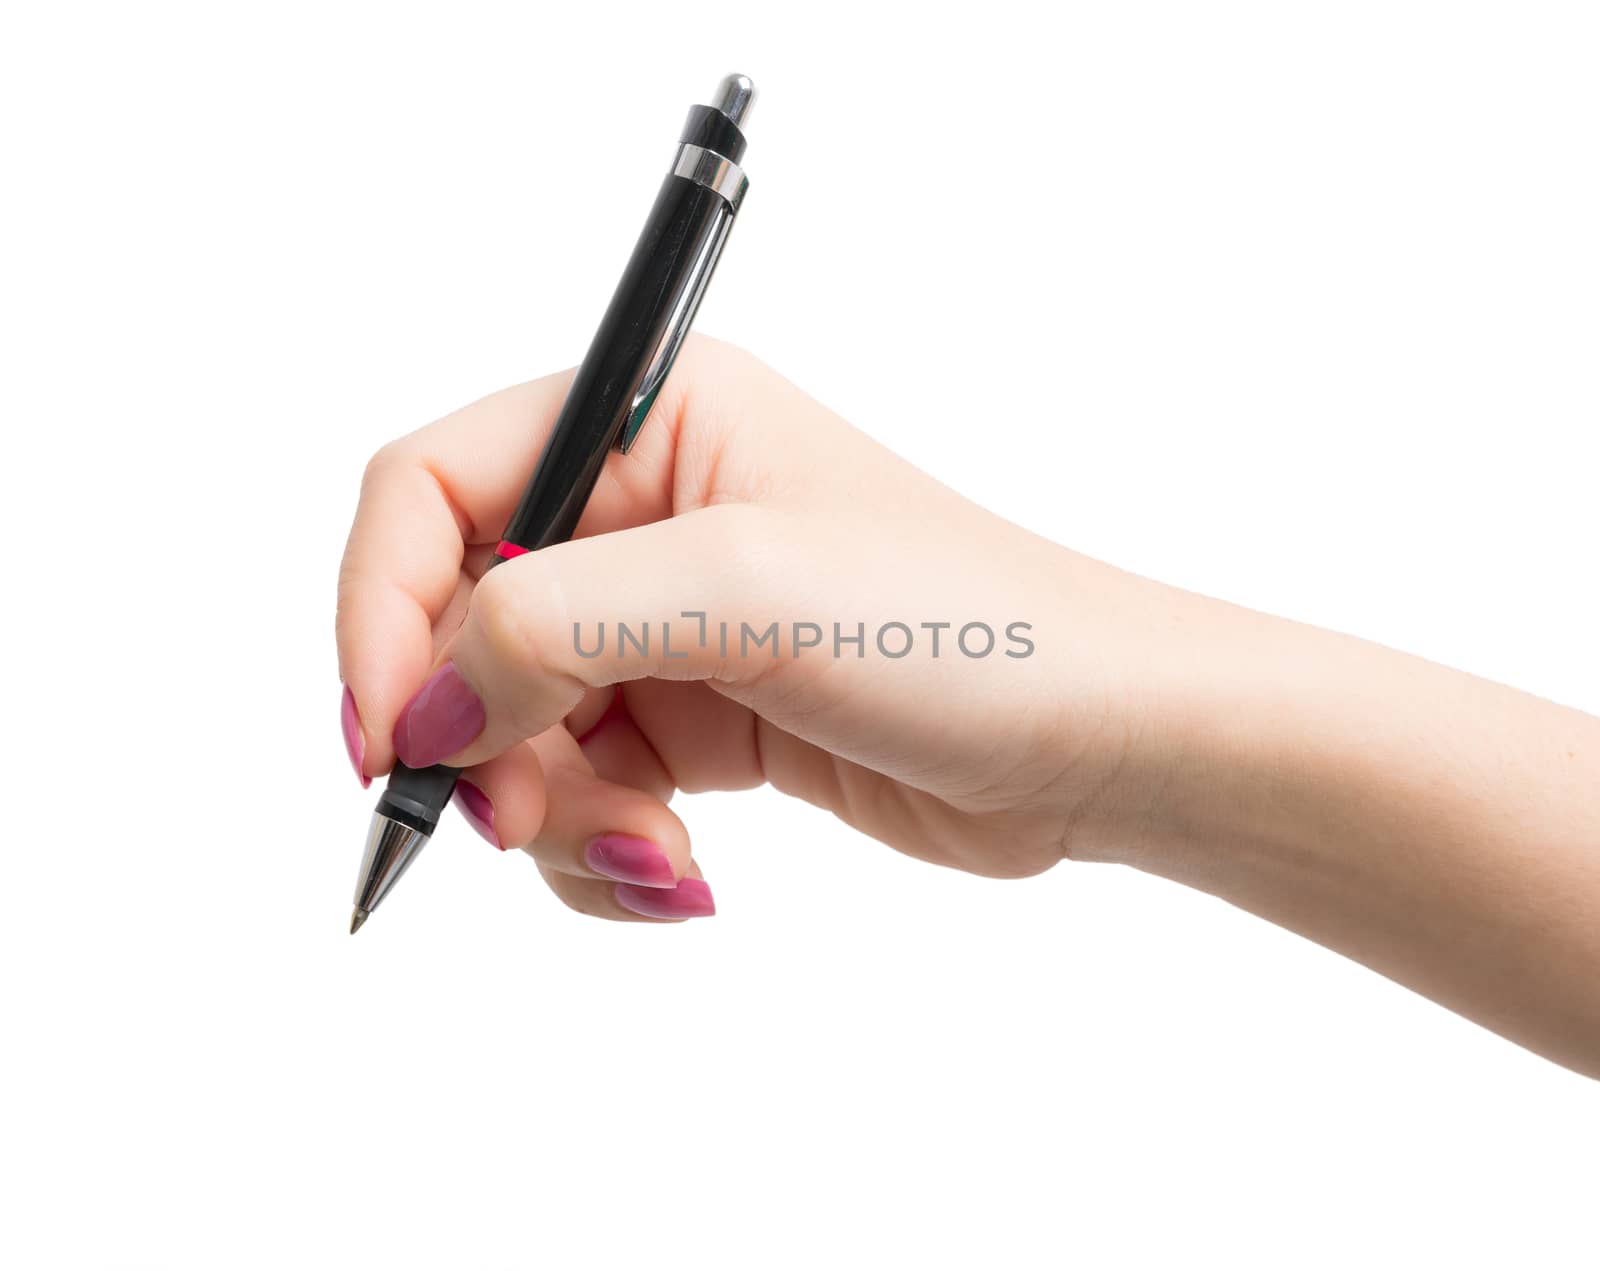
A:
945,704
943,681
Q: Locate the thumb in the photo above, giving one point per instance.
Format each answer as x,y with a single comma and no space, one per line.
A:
665,600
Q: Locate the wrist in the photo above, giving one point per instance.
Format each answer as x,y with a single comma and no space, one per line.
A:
1237,726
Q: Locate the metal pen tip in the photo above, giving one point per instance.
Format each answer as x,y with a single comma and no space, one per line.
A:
391,847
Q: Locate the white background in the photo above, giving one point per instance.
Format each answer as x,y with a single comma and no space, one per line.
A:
1292,304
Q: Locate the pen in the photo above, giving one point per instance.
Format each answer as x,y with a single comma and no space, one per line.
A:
618,381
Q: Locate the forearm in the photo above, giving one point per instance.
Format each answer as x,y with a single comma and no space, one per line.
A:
1441,829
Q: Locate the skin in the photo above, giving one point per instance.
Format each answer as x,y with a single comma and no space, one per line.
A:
1441,829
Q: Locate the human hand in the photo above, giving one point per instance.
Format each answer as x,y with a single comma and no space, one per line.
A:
970,724
1435,826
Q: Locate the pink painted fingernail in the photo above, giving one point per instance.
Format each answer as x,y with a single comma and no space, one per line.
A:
442,718
691,898
355,745
475,806
629,860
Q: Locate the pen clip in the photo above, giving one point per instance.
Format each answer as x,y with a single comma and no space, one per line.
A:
683,311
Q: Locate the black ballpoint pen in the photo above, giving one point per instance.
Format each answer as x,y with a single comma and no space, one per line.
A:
610,398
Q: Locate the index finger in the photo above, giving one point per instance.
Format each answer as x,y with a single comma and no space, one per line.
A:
427,499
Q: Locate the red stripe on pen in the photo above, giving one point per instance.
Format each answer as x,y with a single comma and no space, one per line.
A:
506,551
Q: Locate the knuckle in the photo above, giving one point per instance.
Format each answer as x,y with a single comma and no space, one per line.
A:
520,616
386,460
513,621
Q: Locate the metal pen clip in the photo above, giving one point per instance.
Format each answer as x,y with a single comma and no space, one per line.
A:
727,180
683,311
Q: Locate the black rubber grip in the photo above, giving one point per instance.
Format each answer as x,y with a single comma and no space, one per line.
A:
416,796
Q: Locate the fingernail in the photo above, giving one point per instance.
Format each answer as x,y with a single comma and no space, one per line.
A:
355,745
475,806
691,898
442,718
629,860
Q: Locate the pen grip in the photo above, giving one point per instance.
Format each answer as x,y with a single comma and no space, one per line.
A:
416,796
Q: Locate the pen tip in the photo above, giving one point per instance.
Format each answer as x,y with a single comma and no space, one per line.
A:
357,917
